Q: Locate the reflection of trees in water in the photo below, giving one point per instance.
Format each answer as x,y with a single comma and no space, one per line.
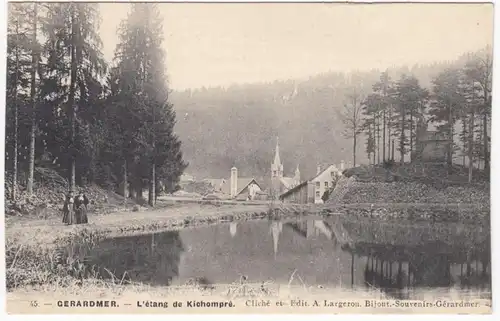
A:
401,256
395,268
150,258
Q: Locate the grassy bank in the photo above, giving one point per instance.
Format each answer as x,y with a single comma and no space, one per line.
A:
55,254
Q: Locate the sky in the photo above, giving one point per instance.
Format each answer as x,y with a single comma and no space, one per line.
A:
220,44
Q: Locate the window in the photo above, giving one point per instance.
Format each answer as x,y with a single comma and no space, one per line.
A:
317,193
274,173
326,184
318,184
333,175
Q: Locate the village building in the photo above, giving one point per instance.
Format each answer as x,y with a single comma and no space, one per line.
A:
431,147
239,188
279,182
216,183
312,190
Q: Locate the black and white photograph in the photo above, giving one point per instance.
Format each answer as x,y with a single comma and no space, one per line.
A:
248,158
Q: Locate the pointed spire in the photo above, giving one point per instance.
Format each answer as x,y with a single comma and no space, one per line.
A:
296,178
277,160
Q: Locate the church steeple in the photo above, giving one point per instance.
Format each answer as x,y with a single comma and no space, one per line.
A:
277,166
296,178
277,159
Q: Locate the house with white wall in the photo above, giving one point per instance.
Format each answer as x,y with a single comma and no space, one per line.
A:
312,190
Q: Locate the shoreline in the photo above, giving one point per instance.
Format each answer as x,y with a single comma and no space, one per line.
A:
30,251
44,232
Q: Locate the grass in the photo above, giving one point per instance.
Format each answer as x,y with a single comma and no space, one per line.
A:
55,254
240,288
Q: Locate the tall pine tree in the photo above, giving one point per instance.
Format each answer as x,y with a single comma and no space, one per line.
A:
151,150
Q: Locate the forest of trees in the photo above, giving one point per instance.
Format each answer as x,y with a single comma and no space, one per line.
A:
238,125
113,122
457,105
91,121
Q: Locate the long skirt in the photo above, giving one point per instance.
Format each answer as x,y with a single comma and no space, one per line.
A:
81,215
69,217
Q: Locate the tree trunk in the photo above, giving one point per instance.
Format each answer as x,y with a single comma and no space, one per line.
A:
152,187
485,142
34,61
393,150
152,183
378,140
402,139
450,133
16,118
374,149
411,135
354,149
480,140
131,191
383,138
71,101
465,138
125,181
389,133
471,143
138,189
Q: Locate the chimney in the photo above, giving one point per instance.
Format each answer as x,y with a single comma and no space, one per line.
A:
318,169
342,165
234,182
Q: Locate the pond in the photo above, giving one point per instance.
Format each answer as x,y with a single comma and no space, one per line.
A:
321,252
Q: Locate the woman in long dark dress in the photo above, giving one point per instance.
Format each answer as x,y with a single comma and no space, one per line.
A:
69,217
81,203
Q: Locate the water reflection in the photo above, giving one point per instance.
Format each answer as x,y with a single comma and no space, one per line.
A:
233,228
408,257
275,229
140,258
323,251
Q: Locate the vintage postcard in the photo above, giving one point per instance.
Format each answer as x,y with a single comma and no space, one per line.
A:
248,158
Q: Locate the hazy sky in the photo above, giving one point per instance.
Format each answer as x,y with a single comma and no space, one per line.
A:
219,44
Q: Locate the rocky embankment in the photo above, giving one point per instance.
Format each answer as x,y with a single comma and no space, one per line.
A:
397,192
418,212
411,198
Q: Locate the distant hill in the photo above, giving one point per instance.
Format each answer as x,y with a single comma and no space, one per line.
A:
238,126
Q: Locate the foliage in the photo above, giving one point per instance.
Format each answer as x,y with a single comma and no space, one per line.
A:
87,114
457,94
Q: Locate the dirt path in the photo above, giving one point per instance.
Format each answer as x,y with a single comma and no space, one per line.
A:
46,231
175,215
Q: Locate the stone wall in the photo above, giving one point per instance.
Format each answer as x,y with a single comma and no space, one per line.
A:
341,188
413,193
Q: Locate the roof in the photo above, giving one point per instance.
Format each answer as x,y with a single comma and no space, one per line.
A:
324,170
308,180
242,183
304,183
216,182
287,181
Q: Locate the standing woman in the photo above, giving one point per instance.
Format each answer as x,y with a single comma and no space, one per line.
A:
68,210
81,208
